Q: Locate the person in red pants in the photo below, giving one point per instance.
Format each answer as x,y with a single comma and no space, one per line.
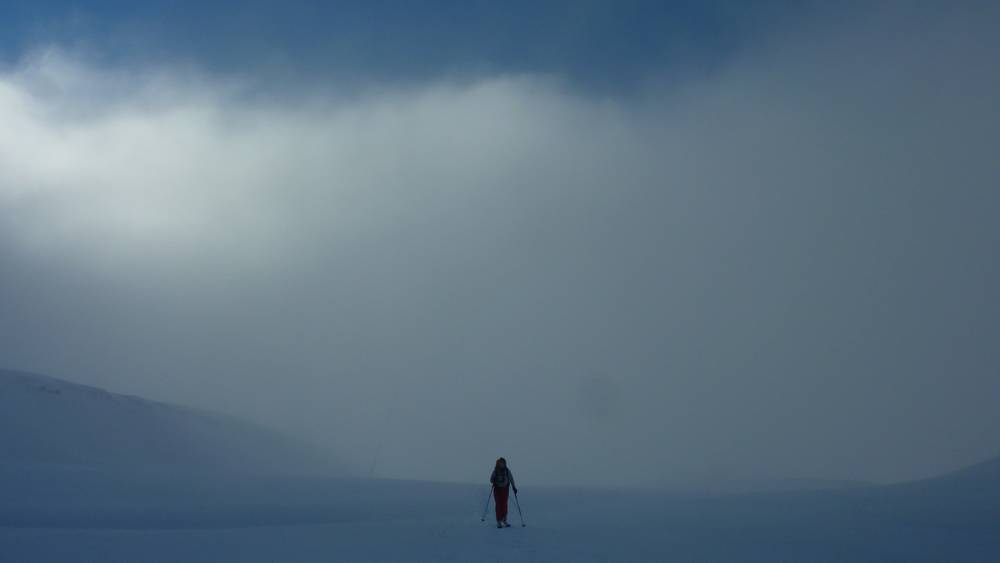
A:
502,480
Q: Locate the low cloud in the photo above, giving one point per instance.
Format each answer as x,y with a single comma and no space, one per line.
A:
782,269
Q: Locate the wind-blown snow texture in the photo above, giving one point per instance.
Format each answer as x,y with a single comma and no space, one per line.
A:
96,510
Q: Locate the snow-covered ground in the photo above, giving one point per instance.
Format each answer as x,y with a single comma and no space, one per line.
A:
74,514
87,475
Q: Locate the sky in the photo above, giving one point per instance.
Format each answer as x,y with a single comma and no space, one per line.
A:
620,244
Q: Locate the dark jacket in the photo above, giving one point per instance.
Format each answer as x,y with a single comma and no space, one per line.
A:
502,478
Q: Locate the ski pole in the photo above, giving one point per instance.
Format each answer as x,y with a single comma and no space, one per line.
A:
487,507
518,503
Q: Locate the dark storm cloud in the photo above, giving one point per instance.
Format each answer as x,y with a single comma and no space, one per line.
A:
785,268
603,45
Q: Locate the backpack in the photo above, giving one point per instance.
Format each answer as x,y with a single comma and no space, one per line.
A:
501,477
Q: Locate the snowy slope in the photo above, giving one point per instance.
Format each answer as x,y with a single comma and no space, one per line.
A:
69,493
51,421
984,477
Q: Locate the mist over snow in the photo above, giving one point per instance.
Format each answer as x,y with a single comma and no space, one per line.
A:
47,422
781,268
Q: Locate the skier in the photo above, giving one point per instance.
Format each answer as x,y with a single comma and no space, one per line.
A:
502,480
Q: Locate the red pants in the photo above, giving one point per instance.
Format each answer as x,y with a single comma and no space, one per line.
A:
500,495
